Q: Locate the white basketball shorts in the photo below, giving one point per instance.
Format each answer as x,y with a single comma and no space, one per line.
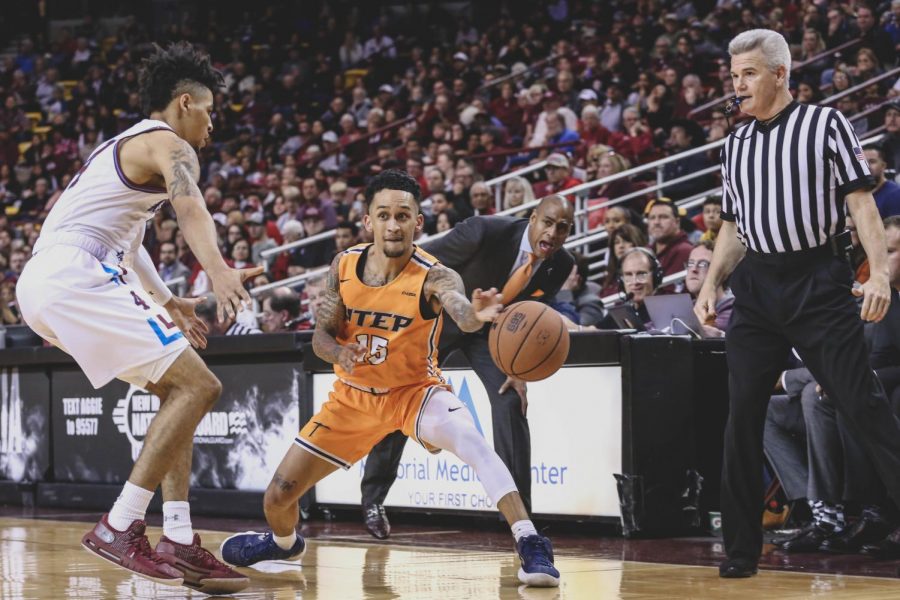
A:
98,312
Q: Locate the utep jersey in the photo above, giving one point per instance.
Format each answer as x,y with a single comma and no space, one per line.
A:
102,203
394,321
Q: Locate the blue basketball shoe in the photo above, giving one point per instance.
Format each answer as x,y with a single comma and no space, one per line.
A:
537,568
250,547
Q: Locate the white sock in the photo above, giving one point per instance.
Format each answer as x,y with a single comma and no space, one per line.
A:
285,542
177,522
523,528
130,506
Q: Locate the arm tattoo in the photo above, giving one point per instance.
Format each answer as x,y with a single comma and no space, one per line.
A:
185,172
447,286
283,484
330,317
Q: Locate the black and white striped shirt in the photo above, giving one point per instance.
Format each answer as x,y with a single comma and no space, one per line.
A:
784,182
238,329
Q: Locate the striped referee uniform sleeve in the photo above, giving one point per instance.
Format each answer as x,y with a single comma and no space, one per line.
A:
727,199
846,156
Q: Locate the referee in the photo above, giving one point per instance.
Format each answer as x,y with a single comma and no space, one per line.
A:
787,177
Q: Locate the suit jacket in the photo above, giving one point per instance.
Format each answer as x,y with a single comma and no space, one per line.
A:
483,250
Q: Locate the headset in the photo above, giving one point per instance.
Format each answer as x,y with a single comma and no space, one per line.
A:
656,270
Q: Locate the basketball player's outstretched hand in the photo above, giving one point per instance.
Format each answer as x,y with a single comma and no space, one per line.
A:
350,355
182,311
229,289
487,304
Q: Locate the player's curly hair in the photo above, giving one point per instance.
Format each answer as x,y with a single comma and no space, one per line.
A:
180,68
393,179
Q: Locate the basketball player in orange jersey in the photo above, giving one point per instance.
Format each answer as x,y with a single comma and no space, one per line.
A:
379,325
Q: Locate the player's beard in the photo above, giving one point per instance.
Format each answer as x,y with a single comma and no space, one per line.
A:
394,252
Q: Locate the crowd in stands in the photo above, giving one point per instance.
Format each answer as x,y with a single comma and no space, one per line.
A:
318,99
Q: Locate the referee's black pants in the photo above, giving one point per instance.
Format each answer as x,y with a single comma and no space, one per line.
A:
799,299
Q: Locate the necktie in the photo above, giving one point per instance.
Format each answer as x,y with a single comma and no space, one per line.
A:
518,280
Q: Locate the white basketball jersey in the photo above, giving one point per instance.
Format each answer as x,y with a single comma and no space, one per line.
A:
101,203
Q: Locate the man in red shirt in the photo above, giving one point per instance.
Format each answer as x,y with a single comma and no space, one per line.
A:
668,241
559,177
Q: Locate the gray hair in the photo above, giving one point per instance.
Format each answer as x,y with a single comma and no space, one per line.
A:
772,44
589,111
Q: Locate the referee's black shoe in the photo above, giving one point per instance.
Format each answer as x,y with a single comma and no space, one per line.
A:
869,529
810,541
736,568
376,521
886,549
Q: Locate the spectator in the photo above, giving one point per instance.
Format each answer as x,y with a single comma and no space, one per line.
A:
516,192
813,45
683,136
171,269
259,237
335,161
345,237
351,51
891,144
481,198
611,113
312,199
696,268
590,129
9,308
873,36
668,241
559,176
621,239
635,141
17,260
582,294
446,220
637,281
315,296
711,218
281,311
886,192
551,106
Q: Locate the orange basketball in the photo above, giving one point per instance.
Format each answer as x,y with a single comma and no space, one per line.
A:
529,341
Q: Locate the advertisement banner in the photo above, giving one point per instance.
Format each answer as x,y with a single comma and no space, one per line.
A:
576,446
24,424
100,433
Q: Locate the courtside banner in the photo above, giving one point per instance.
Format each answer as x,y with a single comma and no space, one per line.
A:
98,434
24,424
576,446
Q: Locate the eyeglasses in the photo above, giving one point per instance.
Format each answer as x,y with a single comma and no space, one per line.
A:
639,277
700,265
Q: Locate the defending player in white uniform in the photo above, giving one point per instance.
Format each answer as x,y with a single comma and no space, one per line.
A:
92,290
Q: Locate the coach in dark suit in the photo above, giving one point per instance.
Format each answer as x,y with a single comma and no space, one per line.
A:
523,258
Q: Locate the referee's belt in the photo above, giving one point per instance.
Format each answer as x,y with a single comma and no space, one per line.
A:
369,390
837,247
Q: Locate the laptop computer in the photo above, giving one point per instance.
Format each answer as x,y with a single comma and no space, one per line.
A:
674,314
626,317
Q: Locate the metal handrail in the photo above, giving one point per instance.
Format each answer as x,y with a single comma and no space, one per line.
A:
860,86
535,65
324,235
870,110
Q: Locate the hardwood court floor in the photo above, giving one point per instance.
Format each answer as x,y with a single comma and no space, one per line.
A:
44,559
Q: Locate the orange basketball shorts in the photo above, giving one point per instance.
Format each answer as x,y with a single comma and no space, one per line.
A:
352,421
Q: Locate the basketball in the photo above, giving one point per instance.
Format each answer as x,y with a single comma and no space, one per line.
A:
529,341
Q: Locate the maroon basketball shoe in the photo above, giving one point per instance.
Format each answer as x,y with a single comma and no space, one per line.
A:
130,550
202,571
